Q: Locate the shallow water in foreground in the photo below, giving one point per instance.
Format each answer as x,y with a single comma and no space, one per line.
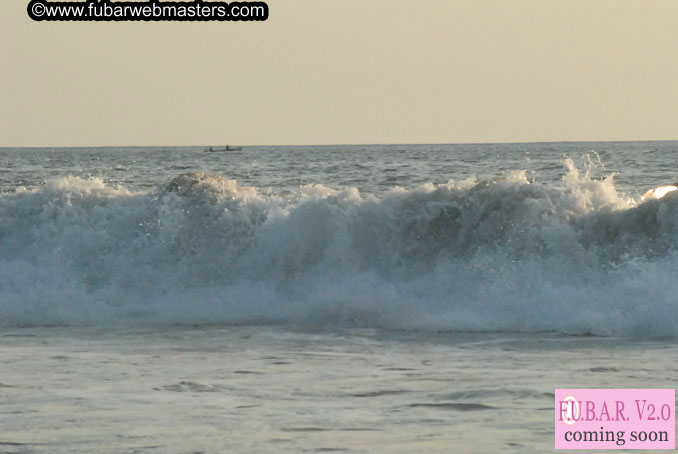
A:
282,389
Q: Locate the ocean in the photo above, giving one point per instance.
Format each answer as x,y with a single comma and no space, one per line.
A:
352,298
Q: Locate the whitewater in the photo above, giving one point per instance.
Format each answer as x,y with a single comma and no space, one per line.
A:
383,298
505,253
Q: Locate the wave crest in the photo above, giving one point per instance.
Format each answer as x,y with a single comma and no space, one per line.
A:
505,254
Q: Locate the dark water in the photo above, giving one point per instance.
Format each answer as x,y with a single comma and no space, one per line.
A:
370,168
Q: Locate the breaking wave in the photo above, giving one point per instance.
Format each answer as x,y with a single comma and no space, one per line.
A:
501,255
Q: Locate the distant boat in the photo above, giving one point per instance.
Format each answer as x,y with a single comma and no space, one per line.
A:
226,148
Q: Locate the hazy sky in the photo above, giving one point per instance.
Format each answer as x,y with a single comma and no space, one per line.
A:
347,71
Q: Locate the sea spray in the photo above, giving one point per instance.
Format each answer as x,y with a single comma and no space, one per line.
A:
506,254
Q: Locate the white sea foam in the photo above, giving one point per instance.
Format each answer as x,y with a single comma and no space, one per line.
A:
499,255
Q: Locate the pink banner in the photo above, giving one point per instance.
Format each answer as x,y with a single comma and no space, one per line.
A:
615,418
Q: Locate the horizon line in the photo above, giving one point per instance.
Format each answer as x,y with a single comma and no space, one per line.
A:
344,144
